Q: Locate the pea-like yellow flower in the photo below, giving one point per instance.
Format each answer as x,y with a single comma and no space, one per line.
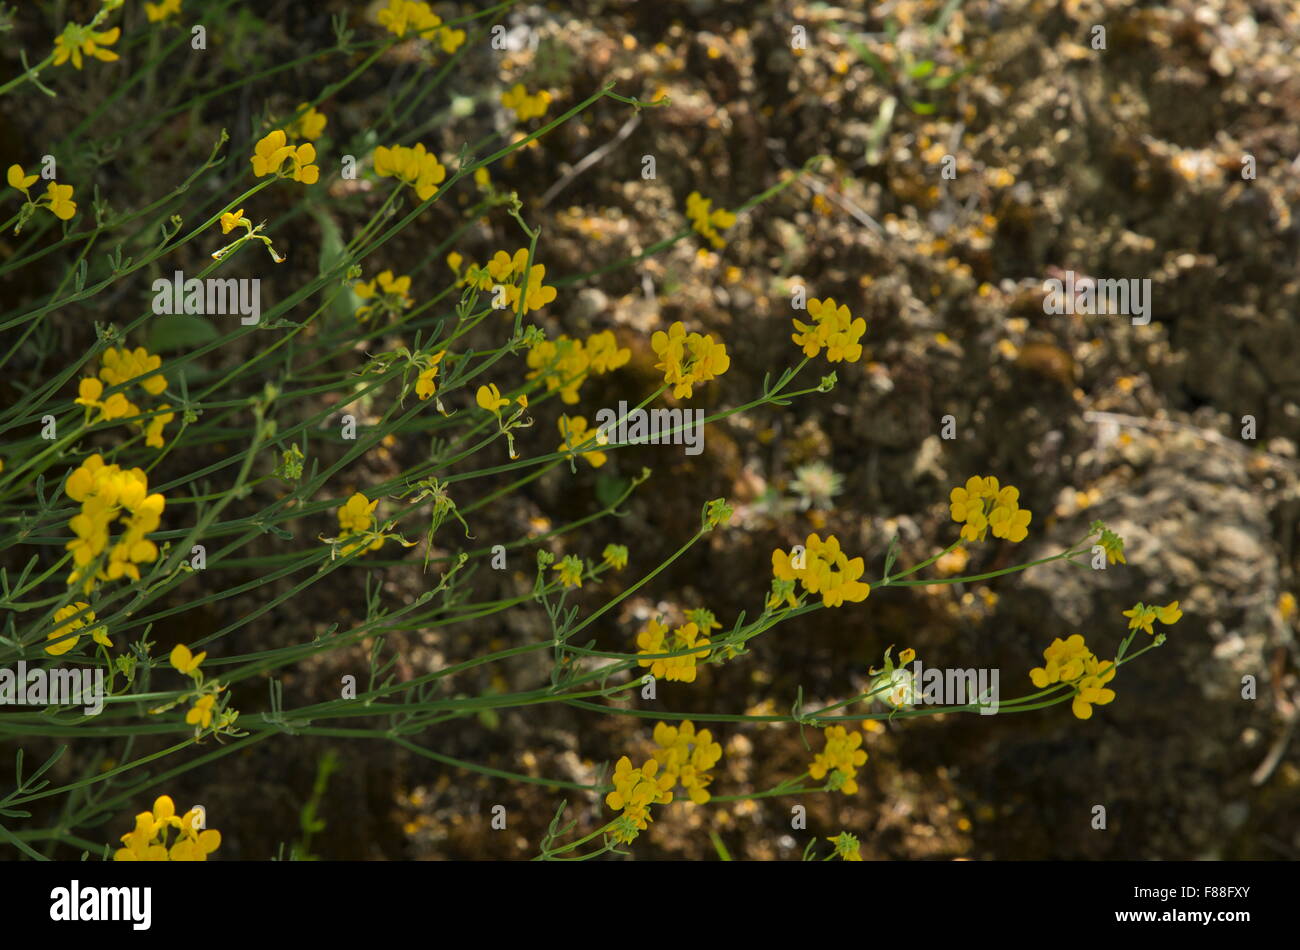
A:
77,626
76,40
706,221
18,179
157,12
148,840
635,790
200,714
615,555
386,293
426,383
654,638
1064,662
153,432
356,517
58,199
489,397
983,505
526,106
822,568
1113,545
840,759
414,166
106,492
574,431
832,329
686,757
1142,617
271,152
688,359
415,17
230,220
309,125
186,662
1091,690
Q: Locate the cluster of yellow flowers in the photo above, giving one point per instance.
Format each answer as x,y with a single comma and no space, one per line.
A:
157,12
99,634
507,272
201,713
574,431
414,17
119,368
686,757
833,329
426,383
357,516
654,638
982,505
104,491
707,221
1070,661
821,568
76,41
273,150
148,841
415,166
57,198
840,758
524,106
688,359
392,294
1141,617
309,125
635,790
565,364
570,569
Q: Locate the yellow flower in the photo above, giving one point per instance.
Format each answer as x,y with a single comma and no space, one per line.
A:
230,220
157,12
654,638
76,40
1065,662
687,360
523,105
635,790
415,166
392,293
823,569
148,840
200,714
615,555
1113,545
271,152
982,505
197,847
1168,614
687,757
60,203
832,328
309,125
570,568
489,397
185,661
707,221
154,429
18,180
574,431
425,384
99,634
840,759
1091,690
356,516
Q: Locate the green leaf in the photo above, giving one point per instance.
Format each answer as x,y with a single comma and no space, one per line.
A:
168,334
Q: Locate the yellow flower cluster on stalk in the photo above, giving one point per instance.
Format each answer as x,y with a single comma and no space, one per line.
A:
1141,617
122,367
820,568
655,638
574,431
104,493
415,18
426,383
272,151
707,221
686,757
414,165
565,364
688,359
982,505
77,41
840,759
832,329
1070,661
386,294
57,198
506,272
357,517
148,840
523,105
635,790
76,627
